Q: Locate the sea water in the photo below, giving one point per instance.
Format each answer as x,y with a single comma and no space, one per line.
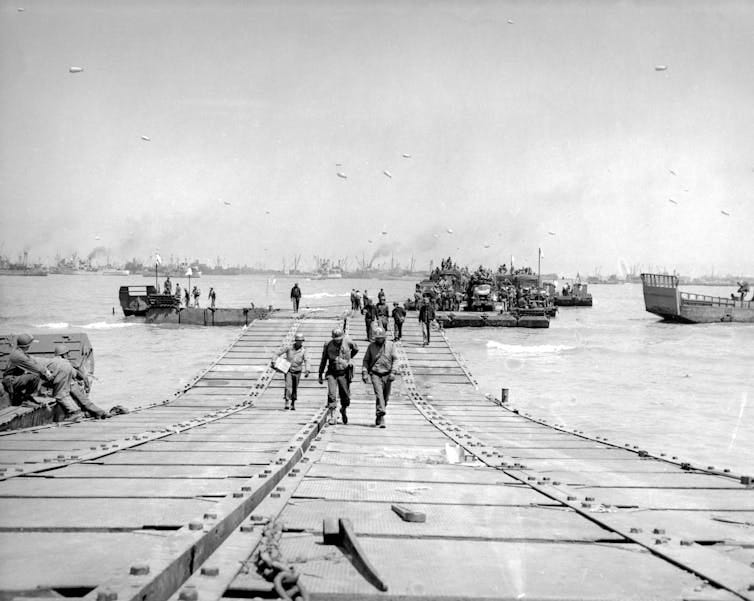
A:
611,370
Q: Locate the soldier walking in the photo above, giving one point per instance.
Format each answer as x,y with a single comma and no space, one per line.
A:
336,364
377,367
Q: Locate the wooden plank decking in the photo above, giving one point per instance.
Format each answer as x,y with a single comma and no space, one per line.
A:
170,501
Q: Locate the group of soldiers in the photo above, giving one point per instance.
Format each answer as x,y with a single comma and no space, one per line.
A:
186,296
336,366
70,384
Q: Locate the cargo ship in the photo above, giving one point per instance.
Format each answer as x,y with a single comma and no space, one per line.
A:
663,297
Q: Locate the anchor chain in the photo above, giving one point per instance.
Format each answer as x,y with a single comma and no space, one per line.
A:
269,562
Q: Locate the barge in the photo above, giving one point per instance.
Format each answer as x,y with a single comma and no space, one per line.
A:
663,297
144,301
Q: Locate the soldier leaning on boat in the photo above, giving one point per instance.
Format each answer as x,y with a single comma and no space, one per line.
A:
70,386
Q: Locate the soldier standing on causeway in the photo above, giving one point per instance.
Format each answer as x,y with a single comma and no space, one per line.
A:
336,357
378,367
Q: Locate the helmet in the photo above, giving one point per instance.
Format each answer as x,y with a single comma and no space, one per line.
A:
60,350
337,334
299,338
379,333
24,340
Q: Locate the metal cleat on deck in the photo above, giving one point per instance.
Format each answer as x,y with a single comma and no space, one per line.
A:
340,532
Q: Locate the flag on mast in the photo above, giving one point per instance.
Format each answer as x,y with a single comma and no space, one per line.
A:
157,259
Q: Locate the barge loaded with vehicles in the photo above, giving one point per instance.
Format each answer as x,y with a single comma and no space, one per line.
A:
144,301
663,297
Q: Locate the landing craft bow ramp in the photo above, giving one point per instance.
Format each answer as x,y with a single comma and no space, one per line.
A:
220,493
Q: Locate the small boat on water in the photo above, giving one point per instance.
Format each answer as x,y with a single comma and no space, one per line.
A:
663,297
13,417
573,295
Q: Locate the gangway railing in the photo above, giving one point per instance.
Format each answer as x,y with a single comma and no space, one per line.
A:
716,301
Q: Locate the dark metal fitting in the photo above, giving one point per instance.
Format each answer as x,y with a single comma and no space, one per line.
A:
710,467
556,482
658,531
280,488
61,456
747,480
589,498
246,488
237,494
275,495
570,498
584,504
263,475
659,541
188,593
687,543
195,525
530,478
210,515
210,570
139,569
107,595
247,528
635,530
643,454
685,466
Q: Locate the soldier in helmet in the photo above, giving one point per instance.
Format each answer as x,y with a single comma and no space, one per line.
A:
336,364
23,374
378,367
295,354
70,386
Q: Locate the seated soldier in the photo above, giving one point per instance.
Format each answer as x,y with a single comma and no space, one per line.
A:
23,373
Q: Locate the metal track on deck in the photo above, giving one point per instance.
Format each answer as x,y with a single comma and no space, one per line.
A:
459,498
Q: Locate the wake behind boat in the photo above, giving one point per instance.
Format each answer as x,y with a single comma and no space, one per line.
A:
663,297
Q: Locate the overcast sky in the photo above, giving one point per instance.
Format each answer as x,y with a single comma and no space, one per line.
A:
520,119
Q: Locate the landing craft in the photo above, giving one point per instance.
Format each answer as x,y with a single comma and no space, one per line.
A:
672,172
75,69
551,233
341,175
673,201
510,21
725,212
386,172
146,138
449,230
661,68
369,241
384,233
406,155
226,203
